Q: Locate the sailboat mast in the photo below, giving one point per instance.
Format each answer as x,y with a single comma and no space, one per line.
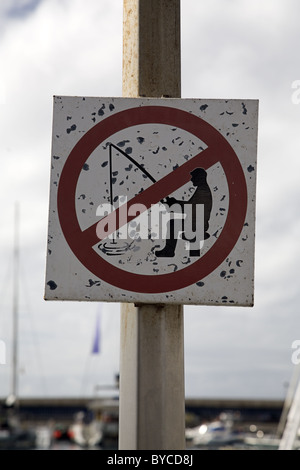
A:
16,256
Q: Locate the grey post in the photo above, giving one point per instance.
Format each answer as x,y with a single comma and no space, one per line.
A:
152,398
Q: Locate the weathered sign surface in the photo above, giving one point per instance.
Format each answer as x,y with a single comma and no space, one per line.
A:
152,200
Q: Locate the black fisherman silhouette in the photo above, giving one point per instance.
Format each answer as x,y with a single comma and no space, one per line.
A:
202,195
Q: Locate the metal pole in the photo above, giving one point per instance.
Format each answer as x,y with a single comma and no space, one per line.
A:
152,399
151,48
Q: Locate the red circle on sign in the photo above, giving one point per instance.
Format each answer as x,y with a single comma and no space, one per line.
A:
219,151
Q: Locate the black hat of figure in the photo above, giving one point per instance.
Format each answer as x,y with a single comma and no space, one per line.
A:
198,176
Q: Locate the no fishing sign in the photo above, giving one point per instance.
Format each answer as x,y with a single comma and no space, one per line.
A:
152,200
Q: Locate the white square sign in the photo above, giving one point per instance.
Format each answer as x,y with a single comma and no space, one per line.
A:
152,201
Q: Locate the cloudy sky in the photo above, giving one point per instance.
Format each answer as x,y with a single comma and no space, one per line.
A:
230,49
